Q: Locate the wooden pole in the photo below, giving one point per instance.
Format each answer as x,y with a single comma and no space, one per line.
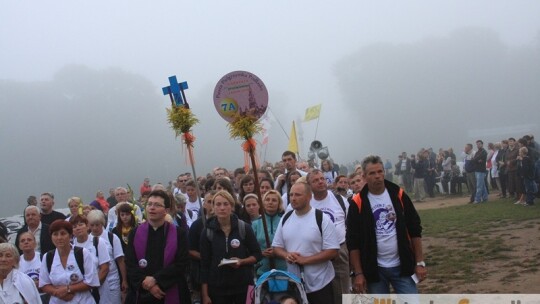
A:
261,207
192,162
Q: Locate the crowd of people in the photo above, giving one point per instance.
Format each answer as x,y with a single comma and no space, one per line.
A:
510,167
206,241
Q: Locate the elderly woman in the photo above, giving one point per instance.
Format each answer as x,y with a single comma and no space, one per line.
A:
273,210
116,278
15,286
67,273
228,251
96,246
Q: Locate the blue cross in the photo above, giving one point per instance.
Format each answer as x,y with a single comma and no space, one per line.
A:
176,91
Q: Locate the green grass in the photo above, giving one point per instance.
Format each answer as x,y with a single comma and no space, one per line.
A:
467,219
469,242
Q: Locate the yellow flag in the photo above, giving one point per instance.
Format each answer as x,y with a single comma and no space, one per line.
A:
293,143
313,112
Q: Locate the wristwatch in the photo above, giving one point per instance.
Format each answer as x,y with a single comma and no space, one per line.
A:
421,263
355,274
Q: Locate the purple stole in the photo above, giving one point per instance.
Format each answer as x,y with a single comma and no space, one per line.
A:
140,241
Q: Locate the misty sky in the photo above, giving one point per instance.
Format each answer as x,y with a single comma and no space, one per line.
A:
80,82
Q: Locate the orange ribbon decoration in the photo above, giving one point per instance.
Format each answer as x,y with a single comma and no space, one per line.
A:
189,139
249,149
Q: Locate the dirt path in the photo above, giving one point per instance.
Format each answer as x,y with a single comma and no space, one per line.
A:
514,270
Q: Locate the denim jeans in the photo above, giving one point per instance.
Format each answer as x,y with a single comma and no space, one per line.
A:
392,275
481,191
530,189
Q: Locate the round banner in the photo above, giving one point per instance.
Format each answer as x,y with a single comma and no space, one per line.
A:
241,93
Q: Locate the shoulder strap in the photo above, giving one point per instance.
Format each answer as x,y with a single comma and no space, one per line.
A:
79,258
190,213
341,203
49,259
111,239
209,234
319,217
242,229
96,242
286,217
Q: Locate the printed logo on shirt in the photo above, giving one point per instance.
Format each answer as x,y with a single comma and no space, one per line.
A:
33,274
235,243
74,277
385,219
70,267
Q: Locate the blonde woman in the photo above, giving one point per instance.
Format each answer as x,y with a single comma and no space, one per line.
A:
273,211
226,238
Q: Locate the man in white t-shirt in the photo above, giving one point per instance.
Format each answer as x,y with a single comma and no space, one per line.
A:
336,209
308,245
289,160
384,236
193,202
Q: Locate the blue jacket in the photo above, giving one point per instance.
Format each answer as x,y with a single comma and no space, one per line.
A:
272,223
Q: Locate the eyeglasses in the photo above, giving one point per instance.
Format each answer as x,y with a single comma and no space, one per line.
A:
157,205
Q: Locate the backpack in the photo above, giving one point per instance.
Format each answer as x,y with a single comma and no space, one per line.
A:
318,217
78,251
341,203
241,231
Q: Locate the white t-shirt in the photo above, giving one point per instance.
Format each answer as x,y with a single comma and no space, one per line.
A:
190,219
285,202
114,252
31,268
385,219
329,176
301,234
331,207
70,275
109,291
194,206
103,256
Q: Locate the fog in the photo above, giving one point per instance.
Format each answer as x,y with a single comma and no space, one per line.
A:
80,83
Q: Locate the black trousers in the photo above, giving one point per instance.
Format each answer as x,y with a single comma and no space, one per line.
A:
322,296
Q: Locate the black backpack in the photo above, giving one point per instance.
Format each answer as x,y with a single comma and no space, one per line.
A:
78,251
